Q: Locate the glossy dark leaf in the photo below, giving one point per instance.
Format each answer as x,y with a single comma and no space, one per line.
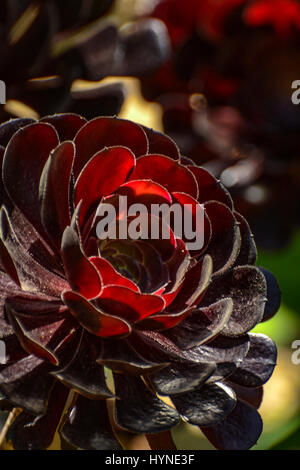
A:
32,242
88,426
35,334
139,410
273,295
37,432
83,373
196,281
225,239
246,286
199,224
144,191
7,263
120,356
239,431
227,353
26,384
110,276
252,396
180,378
201,325
178,265
156,347
258,365
248,252
163,321
157,271
207,405
7,129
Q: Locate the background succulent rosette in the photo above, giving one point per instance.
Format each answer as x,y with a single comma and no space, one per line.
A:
243,55
48,44
166,321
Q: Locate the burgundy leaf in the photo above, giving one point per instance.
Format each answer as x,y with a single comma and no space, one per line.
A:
67,125
91,186
167,172
161,144
209,188
25,157
81,273
55,191
127,304
94,320
107,132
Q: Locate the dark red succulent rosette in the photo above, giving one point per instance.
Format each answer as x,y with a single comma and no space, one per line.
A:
166,321
47,44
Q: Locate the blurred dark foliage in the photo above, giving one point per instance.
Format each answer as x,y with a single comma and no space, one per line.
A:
242,56
42,53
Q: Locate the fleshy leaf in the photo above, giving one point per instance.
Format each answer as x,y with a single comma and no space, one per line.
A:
97,179
258,365
37,432
27,384
139,410
209,188
121,357
248,253
273,295
87,426
246,286
67,124
207,405
201,325
83,374
225,239
110,276
24,160
107,132
7,129
239,431
180,378
94,320
33,277
167,172
129,305
55,191
81,273
196,281
161,144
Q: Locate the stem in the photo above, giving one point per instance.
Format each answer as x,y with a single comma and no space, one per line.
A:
12,415
161,441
